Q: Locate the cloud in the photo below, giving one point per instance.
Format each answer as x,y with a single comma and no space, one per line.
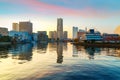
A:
88,8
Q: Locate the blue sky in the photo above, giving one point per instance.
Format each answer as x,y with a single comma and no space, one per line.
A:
104,15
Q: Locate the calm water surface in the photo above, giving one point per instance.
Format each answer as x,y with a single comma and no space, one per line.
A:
58,61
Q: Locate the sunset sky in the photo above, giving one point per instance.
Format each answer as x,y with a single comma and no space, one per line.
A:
103,15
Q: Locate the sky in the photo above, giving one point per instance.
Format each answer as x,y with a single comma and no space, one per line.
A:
102,15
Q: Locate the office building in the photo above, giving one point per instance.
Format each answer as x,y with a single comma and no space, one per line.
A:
15,27
3,31
53,35
65,35
20,36
59,28
75,31
80,34
25,27
42,37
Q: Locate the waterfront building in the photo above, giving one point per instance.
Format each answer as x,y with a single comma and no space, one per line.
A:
59,28
21,36
65,35
3,31
80,34
42,37
75,31
92,35
111,37
15,27
53,35
35,37
25,27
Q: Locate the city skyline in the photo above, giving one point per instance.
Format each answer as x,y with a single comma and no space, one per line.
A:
99,14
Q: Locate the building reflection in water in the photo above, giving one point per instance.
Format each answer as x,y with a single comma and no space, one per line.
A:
75,51
52,47
91,51
113,52
59,52
4,51
21,52
65,46
42,47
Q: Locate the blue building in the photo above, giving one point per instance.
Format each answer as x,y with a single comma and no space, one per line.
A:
92,35
21,36
35,37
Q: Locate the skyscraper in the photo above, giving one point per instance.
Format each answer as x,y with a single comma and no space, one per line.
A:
75,31
15,27
25,26
59,28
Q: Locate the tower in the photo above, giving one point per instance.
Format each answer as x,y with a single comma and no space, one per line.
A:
59,28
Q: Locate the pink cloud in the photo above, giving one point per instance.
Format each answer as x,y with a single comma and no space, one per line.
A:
41,7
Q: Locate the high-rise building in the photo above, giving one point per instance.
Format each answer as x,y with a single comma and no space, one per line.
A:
75,31
59,28
65,34
25,26
53,35
15,27
3,31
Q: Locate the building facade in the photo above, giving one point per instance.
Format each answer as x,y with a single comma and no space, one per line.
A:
65,35
15,27
80,34
53,35
111,37
92,35
75,31
42,37
21,36
3,31
26,27
59,28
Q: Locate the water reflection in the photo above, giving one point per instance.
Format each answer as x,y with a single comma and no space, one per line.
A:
52,47
4,51
90,51
59,52
75,51
21,51
103,66
42,47
65,46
